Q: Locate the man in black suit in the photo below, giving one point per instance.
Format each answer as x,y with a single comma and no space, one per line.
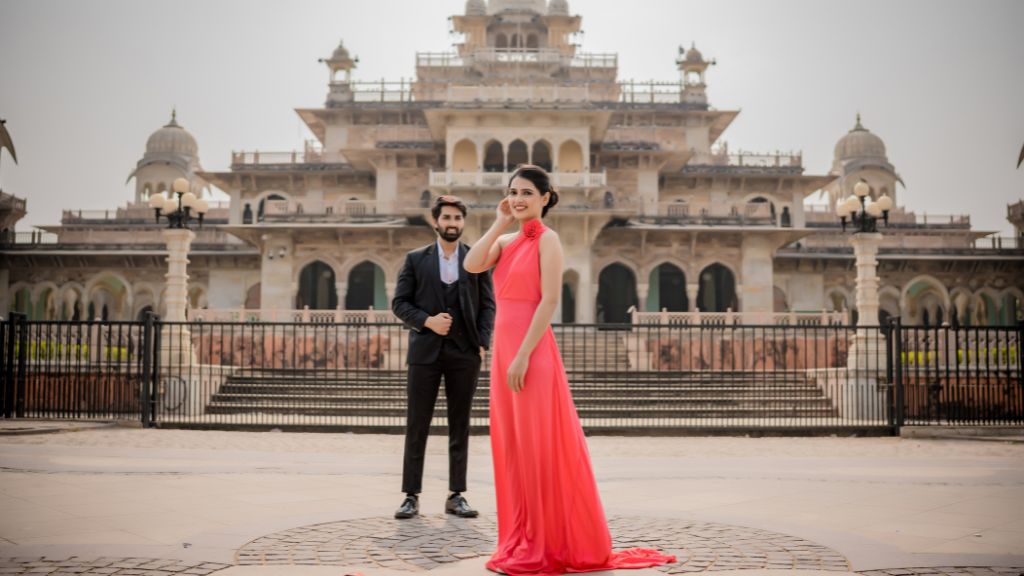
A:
451,314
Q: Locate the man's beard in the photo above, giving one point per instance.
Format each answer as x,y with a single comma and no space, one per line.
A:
450,234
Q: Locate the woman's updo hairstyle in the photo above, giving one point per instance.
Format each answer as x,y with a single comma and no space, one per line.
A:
540,178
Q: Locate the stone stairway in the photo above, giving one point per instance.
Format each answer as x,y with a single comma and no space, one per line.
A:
601,394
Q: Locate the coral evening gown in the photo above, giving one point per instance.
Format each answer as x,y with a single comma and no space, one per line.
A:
550,517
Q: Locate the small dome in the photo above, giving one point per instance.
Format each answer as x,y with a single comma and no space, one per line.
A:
694,55
859,143
476,8
173,139
498,6
340,53
558,8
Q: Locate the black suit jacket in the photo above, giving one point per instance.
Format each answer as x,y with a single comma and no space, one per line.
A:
419,295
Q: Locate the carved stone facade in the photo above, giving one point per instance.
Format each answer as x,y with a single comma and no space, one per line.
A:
655,212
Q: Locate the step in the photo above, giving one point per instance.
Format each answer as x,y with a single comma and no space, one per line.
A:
583,412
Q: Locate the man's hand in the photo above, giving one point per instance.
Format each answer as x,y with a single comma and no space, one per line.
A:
440,323
483,351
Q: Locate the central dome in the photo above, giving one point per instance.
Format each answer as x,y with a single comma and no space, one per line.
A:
538,6
172,139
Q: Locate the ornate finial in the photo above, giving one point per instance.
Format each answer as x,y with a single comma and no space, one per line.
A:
174,117
858,126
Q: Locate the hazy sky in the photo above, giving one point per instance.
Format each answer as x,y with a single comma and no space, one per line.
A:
84,83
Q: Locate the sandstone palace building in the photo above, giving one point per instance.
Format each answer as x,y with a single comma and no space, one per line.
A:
657,215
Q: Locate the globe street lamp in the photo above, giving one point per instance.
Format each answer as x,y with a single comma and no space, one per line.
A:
176,347
868,350
862,211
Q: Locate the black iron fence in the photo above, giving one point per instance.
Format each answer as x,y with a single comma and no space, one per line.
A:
644,379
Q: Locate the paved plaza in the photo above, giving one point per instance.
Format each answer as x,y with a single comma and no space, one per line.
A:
100,499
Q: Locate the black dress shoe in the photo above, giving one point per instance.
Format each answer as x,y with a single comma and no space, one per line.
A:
458,506
410,507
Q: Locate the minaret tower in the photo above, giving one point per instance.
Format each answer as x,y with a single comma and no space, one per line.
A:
692,66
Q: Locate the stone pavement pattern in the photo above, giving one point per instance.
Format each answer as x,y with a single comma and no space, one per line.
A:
427,542
161,502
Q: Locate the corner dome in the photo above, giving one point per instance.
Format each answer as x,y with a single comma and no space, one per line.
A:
558,8
172,139
340,53
536,6
859,143
476,8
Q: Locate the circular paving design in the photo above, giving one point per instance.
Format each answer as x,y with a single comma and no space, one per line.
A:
948,571
110,566
431,541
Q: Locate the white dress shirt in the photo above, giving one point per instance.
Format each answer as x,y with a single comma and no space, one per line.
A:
449,266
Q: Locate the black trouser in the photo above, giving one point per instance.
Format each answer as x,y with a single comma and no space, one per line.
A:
460,370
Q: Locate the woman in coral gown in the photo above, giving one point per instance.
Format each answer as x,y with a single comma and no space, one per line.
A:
550,517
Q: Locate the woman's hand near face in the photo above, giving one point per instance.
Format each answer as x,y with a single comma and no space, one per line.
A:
504,213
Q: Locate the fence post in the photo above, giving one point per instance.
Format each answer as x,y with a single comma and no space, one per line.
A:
21,371
155,372
147,370
896,360
8,365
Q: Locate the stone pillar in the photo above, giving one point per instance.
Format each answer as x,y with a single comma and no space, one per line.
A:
692,290
642,290
176,342
387,187
5,293
868,348
755,286
647,191
586,297
276,291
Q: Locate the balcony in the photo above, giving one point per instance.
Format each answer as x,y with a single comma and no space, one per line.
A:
276,211
824,216
708,214
33,238
407,92
133,214
724,162
536,56
500,179
310,158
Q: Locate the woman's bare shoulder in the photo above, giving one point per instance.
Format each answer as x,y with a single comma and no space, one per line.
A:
504,239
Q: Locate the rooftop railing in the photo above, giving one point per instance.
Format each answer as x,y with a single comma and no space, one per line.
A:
824,214
451,179
516,56
406,91
33,238
11,202
133,213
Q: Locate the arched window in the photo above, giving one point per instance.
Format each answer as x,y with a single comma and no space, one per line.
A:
667,289
316,287
425,199
531,42
494,157
259,216
717,292
252,297
570,157
247,214
501,41
616,292
366,288
542,154
517,154
464,157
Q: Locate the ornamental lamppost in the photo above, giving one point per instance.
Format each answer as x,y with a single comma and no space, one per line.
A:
868,349
180,209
